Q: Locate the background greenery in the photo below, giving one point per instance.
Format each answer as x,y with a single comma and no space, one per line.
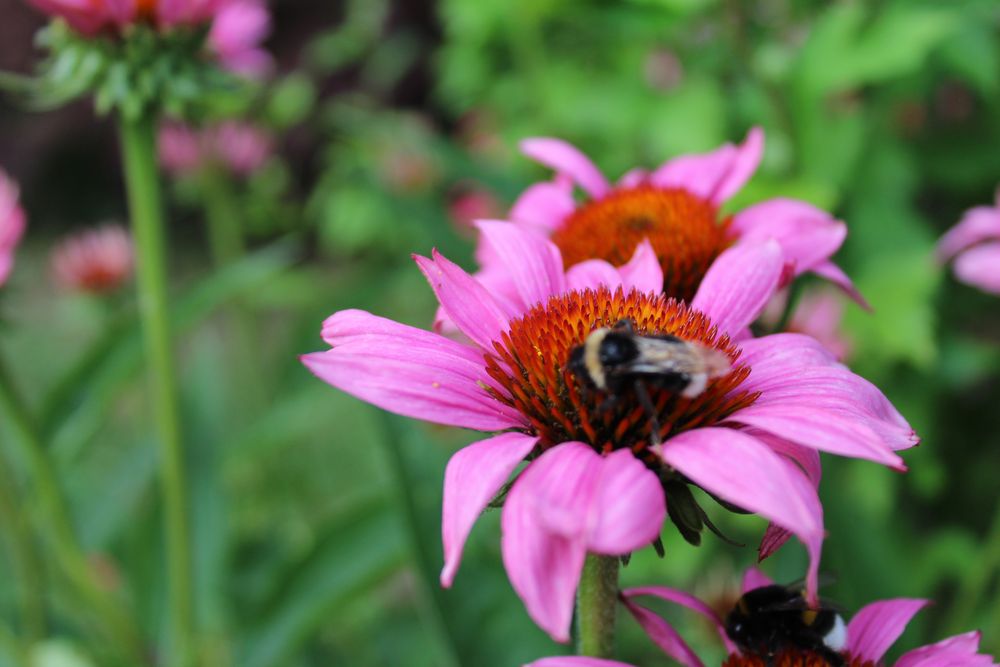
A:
316,516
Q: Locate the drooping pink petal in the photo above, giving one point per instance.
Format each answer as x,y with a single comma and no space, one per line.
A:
753,578
878,625
465,301
566,159
544,533
627,509
825,430
685,600
473,477
533,262
633,177
739,284
409,371
978,224
957,651
836,275
980,267
544,205
591,274
716,175
643,272
664,635
575,661
744,471
807,235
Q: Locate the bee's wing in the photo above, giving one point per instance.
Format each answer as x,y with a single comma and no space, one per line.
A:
658,356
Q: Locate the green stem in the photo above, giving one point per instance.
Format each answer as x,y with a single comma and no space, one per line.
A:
59,524
597,606
225,229
138,138
24,558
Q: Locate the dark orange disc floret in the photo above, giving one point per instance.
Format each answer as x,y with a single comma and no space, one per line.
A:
683,229
791,658
531,364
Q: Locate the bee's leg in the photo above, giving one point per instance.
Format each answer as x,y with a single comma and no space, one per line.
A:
647,404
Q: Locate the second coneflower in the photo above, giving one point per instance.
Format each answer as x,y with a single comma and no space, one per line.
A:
594,483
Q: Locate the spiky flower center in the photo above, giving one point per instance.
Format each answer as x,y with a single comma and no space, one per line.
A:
792,657
531,364
683,229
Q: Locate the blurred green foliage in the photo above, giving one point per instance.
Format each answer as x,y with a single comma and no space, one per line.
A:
316,516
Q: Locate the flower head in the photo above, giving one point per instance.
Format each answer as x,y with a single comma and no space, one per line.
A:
93,16
238,146
974,247
863,642
12,223
677,208
239,28
96,261
595,480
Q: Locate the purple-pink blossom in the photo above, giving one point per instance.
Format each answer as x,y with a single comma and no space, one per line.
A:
237,146
593,481
238,30
94,261
869,635
677,208
12,223
973,247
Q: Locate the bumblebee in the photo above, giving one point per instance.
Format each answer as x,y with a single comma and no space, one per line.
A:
772,619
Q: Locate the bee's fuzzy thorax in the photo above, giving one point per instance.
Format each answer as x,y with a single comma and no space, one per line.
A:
532,364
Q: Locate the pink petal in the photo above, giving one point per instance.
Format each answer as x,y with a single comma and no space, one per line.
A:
824,430
591,274
980,267
664,635
410,372
716,175
464,300
836,275
785,350
473,477
573,661
544,533
567,159
978,224
533,261
686,600
877,626
739,284
753,579
957,651
807,235
744,471
643,272
544,205
628,507
633,177
774,538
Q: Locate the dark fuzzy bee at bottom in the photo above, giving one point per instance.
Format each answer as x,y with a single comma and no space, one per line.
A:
772,619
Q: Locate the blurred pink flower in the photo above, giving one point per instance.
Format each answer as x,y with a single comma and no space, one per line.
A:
818,314
12,223
868,636
240,147
471,204
95,261
974,246
676,207
239,28
92,16
593,481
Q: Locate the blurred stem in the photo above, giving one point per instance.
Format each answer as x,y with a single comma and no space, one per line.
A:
24,558
977,578
794,294
138,138
597,606
59,529
427,572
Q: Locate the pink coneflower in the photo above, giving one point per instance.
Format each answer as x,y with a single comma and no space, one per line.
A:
594,483
93,16
817,314
12,223
239,28
676,207
862,643
974,245
237,146
96,261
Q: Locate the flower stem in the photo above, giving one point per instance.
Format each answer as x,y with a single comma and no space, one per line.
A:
58,527
222,215
597,606
138,139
